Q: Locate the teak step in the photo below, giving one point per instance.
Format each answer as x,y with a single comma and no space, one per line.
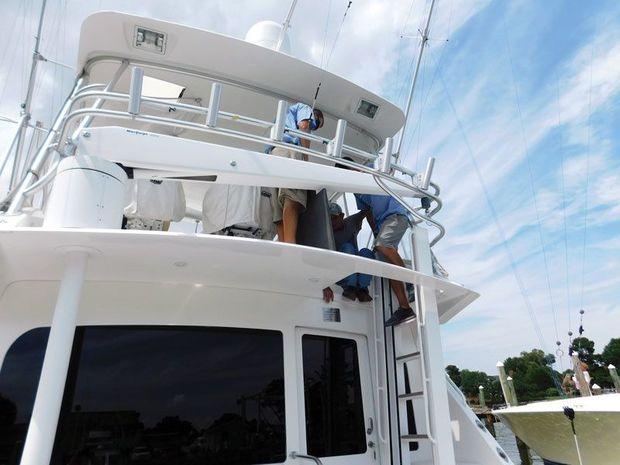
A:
411,395
408,357
414,437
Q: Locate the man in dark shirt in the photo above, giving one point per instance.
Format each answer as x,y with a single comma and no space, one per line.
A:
345,235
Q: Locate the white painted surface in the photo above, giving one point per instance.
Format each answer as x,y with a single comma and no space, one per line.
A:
112,34
88,192
443,448
169,156
546,430
238,263
42,429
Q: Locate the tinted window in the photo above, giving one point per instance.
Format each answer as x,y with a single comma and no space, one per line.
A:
154,395
334,414
19,378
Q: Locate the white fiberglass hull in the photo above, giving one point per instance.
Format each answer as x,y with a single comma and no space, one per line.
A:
546,430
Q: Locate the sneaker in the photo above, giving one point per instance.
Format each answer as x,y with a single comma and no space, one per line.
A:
363,295
349,293
402,315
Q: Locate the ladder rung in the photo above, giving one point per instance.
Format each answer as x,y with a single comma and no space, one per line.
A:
408,357
411,395
414,437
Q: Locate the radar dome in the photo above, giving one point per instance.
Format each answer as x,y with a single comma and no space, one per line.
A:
266,34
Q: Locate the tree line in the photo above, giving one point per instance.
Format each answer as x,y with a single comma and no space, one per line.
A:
533,374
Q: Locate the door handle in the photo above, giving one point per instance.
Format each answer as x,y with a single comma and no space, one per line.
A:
295,455
371,426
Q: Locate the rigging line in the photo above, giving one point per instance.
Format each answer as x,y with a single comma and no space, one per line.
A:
14,54
563,184
585,209
344,17
527,155
329,57
11,35
407,18
329,9
495,216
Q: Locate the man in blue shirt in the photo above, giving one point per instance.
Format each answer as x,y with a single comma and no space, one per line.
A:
355,286
389,221
290,203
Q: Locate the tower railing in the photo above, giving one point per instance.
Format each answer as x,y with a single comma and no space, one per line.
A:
383,170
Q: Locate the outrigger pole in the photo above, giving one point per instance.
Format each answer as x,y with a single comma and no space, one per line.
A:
414,80
25,106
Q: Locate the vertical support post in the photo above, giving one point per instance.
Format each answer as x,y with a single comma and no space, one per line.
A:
481,399
426,179
338,140
41,156
135,90
214,104
584,386
504,383
510,395
7,156
277,130
443,447
513,394
25,113
42,429
489,419
614,377
385,157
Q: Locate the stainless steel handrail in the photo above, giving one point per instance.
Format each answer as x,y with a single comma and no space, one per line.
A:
117,96
413,211
207,76
106,94
259,140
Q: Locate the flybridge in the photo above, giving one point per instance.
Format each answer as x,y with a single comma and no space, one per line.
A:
216,144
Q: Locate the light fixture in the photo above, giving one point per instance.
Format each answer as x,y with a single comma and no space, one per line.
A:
147,39
367,109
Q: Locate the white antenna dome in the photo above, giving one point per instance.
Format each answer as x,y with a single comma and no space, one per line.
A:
266,34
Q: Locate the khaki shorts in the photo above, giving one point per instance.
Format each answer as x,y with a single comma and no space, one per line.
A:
392,230
297,195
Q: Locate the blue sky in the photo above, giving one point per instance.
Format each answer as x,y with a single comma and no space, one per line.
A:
518,99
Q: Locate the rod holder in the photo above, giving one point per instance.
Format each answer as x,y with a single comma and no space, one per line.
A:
135,90
385,157
338,141
426,178
214,104
277,130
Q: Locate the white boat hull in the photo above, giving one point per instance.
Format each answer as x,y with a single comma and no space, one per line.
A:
546,430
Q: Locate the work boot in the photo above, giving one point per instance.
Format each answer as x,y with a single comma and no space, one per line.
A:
363,295
349,293
402,315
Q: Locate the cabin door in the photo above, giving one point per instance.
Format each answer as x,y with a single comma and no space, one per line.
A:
337,421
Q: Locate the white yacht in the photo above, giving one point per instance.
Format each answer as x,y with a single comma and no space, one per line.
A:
127,346
545,428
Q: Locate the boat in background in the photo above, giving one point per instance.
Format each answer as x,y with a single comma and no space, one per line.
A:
546,429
